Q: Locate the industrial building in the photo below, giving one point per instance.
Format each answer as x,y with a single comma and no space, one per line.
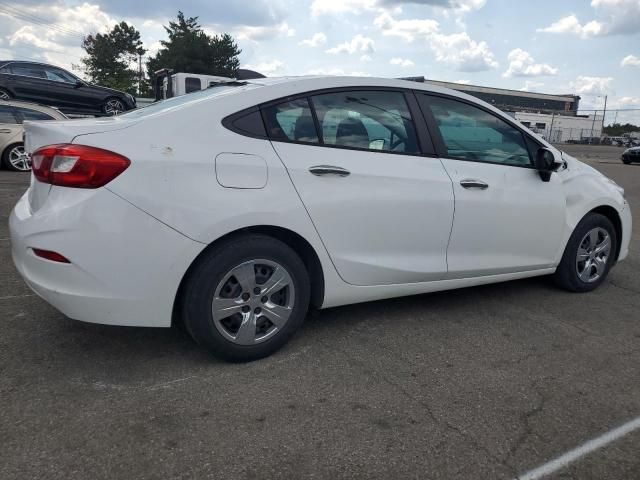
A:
554,117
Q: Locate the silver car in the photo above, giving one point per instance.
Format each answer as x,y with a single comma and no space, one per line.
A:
12,114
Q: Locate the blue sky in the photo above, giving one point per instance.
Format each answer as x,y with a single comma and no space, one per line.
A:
591,48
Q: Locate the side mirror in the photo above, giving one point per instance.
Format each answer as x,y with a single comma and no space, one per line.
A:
545,163
79,83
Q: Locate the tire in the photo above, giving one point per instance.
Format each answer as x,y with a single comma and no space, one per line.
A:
626,161
13,158
4,94
113,106
595,266
237,275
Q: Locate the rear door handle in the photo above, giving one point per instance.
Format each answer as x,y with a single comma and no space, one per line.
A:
5,130
471,183
322,170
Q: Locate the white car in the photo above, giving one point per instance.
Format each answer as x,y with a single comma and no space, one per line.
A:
236,208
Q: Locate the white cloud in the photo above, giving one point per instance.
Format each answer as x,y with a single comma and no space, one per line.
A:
408,30
315,41
627,102
267,67
335,72
630,61
264,32
531,86
522,64
615,17
366,58
358,44
402,62
457,50
591,85
463,82
337,7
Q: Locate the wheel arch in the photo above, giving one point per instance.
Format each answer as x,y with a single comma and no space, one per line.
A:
613,215
294,240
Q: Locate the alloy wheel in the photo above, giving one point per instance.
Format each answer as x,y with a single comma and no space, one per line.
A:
19,159
4,95
113,107
253,301
593,254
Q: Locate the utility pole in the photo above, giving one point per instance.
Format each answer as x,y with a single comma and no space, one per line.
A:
139,74
604,114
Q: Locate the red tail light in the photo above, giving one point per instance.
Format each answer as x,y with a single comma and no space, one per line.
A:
49,255
78,166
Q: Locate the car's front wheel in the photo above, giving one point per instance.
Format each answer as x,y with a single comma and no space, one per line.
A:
114,106
15,158
589,254
244,299
4,95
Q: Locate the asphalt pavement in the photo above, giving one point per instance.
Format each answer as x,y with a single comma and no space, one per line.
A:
481,383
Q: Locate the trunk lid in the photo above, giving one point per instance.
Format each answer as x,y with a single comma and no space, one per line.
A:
39,134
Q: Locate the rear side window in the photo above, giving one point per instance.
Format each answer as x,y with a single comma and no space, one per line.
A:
371,120
6,115
291,121
28,70
28,114
470,133
192,84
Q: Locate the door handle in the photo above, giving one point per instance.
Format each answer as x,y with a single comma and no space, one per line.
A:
5,130
322,170
471,183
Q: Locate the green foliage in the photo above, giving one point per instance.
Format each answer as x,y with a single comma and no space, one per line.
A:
190,49
616,130
112,57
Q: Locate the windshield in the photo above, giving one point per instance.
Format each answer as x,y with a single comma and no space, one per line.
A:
195,97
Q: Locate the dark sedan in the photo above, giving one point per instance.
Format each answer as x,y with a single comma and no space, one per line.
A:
50,85
631,155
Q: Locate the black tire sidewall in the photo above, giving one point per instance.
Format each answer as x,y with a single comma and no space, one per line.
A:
566,275
212,266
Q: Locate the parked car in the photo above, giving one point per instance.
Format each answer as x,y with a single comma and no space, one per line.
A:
54,86
235,209
12,114
631,155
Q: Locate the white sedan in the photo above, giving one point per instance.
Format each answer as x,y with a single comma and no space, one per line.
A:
237,208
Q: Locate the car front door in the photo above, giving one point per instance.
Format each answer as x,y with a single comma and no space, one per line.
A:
382,206
506,218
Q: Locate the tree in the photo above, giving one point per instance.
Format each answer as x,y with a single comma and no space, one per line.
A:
616,130
190,49
110,58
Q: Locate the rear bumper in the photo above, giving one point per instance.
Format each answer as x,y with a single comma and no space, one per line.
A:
125,265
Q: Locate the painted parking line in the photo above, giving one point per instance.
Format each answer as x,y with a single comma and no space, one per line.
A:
579,452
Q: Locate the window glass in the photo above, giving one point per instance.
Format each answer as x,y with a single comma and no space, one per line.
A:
470,133
373,120
28,69
291,121
6,116
192,84
28,114
58,75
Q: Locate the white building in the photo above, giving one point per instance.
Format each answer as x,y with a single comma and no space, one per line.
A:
562,128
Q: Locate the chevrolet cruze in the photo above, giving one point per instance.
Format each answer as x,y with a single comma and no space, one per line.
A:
236,209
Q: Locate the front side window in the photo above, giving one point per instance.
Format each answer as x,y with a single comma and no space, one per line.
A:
28,114
28,70
58,75
372,120
290,121
6,115
470,133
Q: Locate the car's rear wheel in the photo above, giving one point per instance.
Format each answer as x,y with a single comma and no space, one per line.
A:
4,95
626,160
15,158
244,299
114,106
589,255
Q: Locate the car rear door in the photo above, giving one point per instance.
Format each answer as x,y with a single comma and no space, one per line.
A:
381,202
30,83
506,218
